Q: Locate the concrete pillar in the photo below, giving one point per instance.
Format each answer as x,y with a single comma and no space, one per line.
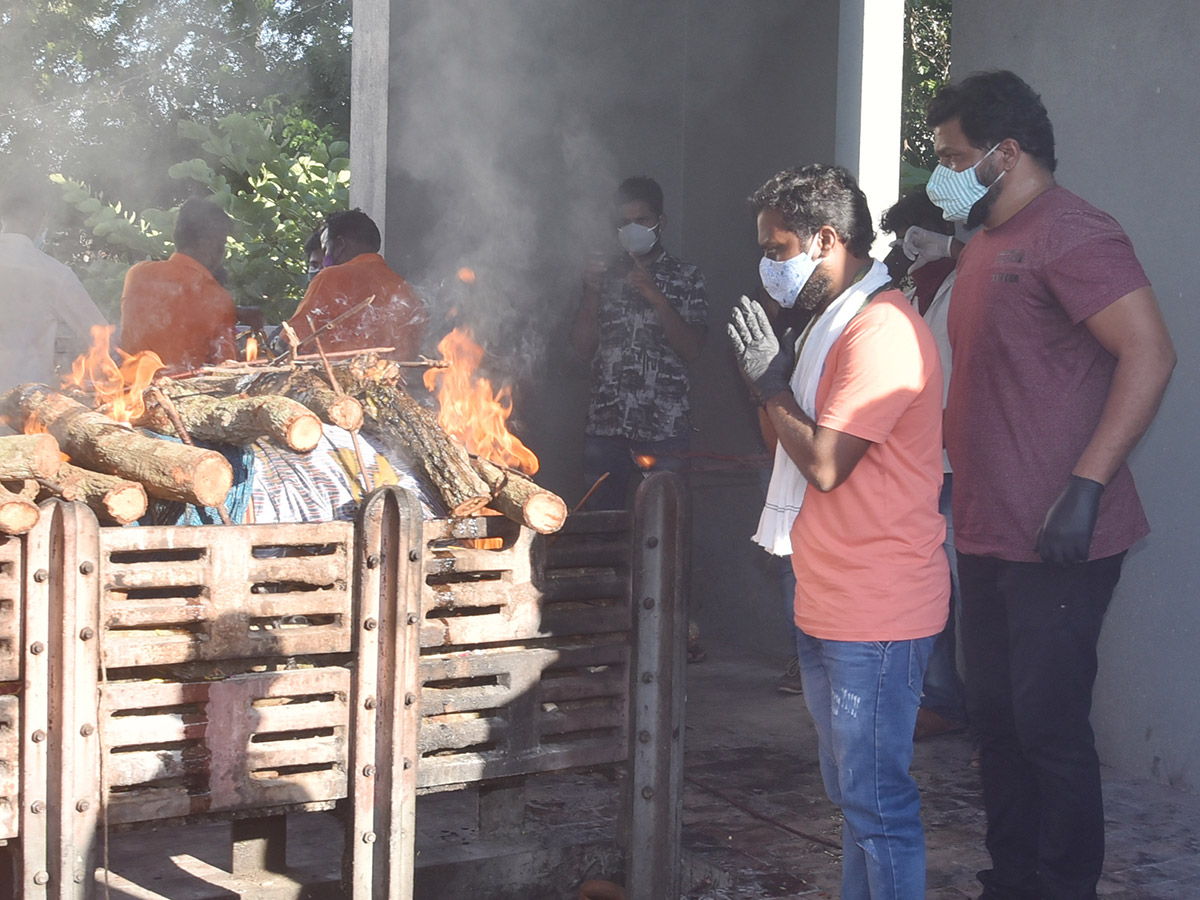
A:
869,93
370,49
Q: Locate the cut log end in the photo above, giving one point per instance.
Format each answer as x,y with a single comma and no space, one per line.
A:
545,513
125,504
347,413
17,514
212,478
521,499
303,433
114,500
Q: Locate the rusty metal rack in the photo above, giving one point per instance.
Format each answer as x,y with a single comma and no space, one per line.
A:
176,675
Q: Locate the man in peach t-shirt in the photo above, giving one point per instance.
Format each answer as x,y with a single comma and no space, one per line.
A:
856,405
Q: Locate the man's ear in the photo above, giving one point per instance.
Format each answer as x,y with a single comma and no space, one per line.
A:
827,238
1009,151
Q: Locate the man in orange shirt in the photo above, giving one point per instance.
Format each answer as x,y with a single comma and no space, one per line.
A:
177,307
354,271
856,403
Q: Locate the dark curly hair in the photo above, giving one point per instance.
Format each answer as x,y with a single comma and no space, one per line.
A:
914,208
640,187
808,197
353,225
992,106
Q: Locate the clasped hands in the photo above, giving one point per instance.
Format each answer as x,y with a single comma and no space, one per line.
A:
764,362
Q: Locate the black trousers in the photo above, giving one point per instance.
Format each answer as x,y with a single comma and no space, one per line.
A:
1029,640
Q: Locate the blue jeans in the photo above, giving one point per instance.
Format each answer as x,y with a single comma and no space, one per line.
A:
944,692
863,696
615,455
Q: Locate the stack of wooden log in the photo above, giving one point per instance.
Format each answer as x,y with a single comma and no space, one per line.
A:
115,468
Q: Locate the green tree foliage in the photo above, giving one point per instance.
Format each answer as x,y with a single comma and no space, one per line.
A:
276,196
926,69
98,87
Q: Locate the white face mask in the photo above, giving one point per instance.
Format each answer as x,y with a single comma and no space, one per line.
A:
637,239
784,279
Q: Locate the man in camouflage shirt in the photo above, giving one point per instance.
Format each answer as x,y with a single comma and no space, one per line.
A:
642,319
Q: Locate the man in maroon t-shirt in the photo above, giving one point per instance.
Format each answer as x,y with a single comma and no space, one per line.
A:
1061,358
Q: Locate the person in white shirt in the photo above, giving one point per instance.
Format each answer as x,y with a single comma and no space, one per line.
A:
46,316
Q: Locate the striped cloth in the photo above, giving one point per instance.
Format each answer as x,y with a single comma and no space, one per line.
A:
325,485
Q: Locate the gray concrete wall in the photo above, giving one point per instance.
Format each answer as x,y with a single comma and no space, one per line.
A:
510,123
1120,87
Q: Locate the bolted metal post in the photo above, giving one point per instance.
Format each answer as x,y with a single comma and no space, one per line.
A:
657,688
382,775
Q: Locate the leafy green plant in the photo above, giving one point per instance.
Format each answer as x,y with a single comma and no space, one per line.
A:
926,70
275,195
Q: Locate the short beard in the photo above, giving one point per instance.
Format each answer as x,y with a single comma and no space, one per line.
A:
815,292
983,206
980,210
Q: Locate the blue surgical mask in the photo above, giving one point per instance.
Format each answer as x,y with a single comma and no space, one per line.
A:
784,279
955,193
637,239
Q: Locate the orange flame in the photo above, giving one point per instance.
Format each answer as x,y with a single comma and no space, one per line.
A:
251,348
466,275
645,461
118,389
34,424
468,408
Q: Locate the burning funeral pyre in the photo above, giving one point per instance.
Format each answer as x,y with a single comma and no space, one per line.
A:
299,438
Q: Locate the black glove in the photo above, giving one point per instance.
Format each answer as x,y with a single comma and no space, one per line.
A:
765,364
1066,535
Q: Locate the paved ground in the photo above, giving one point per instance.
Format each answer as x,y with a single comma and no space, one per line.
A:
756,811
756,825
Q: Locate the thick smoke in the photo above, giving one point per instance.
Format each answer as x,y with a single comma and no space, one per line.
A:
503,170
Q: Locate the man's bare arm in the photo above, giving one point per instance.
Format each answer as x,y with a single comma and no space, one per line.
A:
824,456
1133,331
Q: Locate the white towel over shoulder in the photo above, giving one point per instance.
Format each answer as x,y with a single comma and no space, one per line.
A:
785,494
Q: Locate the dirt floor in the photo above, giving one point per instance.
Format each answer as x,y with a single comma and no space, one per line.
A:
756,821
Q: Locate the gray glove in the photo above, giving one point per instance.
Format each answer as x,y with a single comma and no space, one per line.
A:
766,366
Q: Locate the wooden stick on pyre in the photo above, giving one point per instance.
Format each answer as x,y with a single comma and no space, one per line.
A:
306,388
521,499
590,491
25,456
263,368
337,387
93,441
240,420
347,314
113,499
168,406
414,431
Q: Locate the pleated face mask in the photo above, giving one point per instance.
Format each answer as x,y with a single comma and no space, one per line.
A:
954,193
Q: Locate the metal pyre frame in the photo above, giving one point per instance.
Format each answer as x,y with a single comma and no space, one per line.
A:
174,675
